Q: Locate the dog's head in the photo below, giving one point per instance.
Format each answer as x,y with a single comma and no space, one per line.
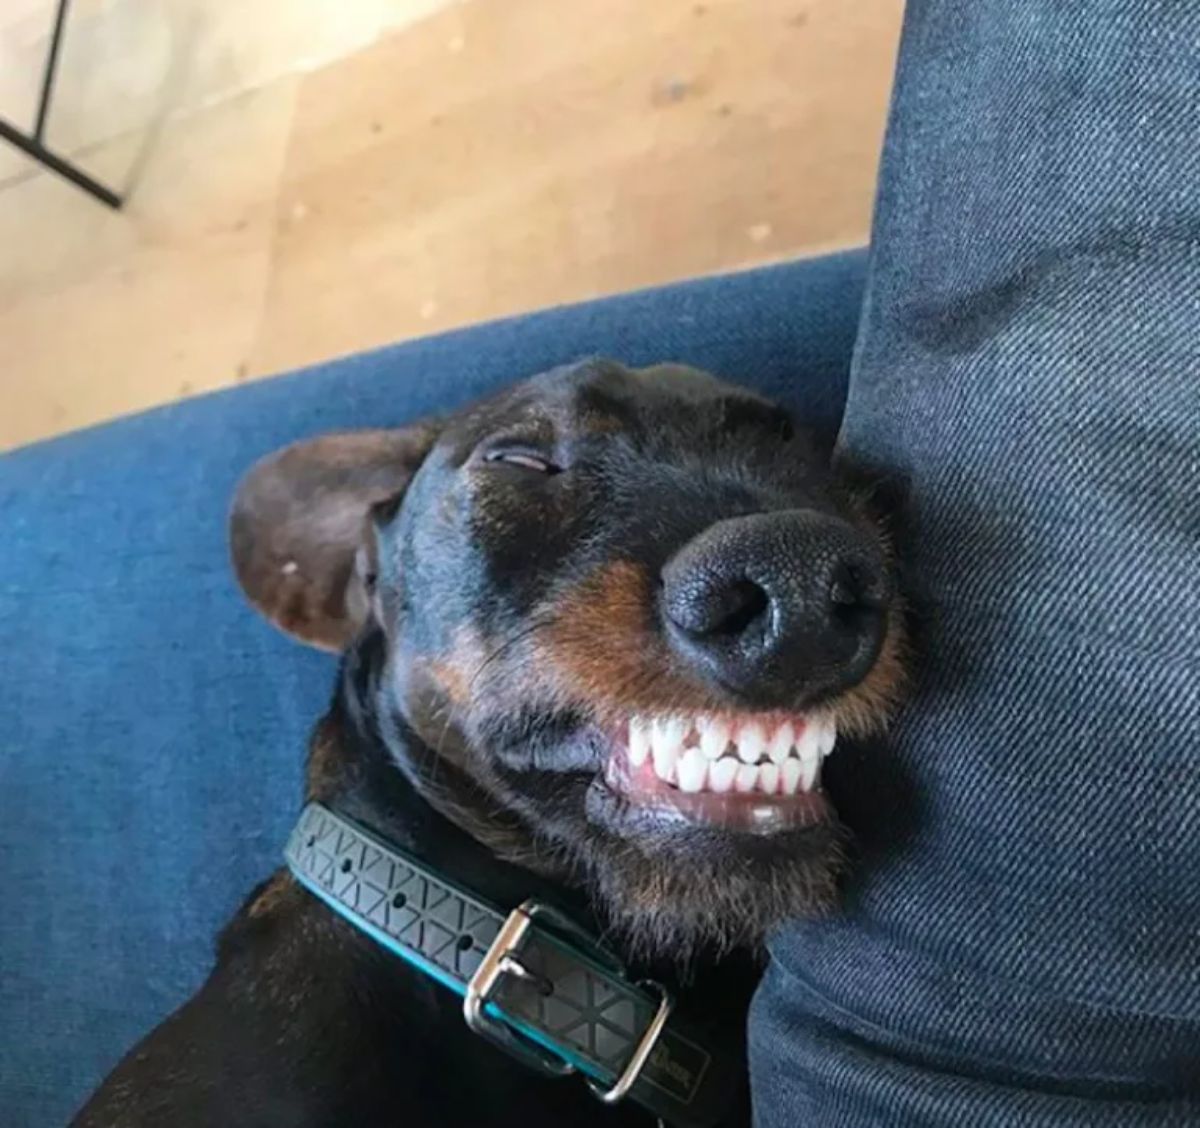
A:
633,609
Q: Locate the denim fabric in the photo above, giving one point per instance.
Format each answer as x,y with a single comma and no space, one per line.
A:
1024,946
145,707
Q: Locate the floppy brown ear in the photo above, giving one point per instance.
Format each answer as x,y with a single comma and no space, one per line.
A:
299,527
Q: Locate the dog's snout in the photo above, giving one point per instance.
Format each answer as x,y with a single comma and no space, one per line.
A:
778,608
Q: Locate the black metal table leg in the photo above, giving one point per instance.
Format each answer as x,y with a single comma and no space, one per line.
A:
35,146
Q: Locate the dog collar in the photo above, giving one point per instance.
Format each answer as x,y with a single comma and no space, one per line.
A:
531,981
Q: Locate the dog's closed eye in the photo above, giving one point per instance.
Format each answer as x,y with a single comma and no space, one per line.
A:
524,460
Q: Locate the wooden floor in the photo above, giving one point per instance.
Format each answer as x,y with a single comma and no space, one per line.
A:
300,190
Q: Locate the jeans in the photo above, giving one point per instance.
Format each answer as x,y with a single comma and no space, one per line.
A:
1023,945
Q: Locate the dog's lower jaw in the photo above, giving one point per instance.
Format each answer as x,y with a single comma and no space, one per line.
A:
689,894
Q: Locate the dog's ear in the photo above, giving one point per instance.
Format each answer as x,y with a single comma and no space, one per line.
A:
300,533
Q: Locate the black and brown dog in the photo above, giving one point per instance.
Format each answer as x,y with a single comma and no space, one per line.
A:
599,631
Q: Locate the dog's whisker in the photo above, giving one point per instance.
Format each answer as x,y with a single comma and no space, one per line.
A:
538,623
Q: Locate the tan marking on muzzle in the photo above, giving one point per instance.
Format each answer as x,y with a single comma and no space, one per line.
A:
602,647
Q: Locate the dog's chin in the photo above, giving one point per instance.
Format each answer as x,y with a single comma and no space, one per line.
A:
676,886
713,828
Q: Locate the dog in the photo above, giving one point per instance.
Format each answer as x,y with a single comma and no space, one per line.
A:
599,632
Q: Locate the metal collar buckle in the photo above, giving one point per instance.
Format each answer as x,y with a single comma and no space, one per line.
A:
642,1051
502,959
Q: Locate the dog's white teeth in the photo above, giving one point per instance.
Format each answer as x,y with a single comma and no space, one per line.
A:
746,778
664,762
722,754
721,774
714,736
639,741
751,742
780,745
808,743
666,735
828,731
692,770
789,775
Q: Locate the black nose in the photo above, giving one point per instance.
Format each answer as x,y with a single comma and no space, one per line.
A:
778,608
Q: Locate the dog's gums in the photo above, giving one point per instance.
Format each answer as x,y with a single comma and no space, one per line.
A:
747,773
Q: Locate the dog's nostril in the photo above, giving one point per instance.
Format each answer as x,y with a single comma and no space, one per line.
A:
741,603
722,609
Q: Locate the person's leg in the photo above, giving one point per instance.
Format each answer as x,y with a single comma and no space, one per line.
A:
1023,944
148,714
